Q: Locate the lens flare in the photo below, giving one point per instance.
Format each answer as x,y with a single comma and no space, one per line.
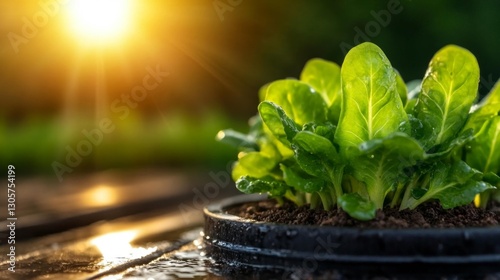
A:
99,21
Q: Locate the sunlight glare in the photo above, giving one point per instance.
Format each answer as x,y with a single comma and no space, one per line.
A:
115,247
100,196
99,21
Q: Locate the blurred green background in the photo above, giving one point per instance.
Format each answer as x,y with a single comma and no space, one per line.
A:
217,54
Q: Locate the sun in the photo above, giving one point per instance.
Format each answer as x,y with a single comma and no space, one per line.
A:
99,21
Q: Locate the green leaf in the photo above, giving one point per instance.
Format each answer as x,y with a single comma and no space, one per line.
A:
461,194
453,185
484,152
493,96
263,92
316,145
324,77
269,150
300,181
415,124
492,178
267,184
316,155
417,193
254,164
410,106
448,90
380,164
357,207
280,125
299,101
401,88
237,139
371,106
448,147
488,108
311,164
263,134
326,129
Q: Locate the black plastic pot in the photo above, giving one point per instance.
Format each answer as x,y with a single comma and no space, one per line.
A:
229,238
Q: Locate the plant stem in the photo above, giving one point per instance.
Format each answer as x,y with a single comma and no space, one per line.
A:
333,196
301,198
314,200
325,200
397,195
296,198
409,201
407,196
336,175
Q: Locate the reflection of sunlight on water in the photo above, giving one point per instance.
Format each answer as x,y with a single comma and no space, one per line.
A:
100,195
112,277
115,248
198,243
118,277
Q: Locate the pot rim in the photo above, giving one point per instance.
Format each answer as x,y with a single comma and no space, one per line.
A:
252,242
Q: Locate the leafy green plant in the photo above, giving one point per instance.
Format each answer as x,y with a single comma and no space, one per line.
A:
358,138
483,153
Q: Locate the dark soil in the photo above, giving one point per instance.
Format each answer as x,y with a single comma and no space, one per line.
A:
430,215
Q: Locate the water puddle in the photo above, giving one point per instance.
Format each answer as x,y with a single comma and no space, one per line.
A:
188,263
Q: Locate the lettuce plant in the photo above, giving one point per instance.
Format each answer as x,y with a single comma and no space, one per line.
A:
357,137
483,152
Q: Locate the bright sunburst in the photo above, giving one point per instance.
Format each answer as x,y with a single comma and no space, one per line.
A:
99,21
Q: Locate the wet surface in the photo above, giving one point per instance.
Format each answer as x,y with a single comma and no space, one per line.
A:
161,242
182,258
177,253
188,263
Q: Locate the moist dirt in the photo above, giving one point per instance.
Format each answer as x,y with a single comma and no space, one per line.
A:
430,215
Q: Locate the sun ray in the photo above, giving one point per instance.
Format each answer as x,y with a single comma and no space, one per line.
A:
69,107
100,89
220,74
